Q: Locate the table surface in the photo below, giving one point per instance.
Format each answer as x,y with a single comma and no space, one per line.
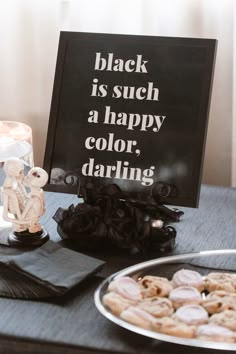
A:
72,324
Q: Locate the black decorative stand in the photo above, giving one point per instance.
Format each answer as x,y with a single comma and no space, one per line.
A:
27,239
112,219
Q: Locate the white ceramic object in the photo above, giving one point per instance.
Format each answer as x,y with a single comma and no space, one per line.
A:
23,209
14,195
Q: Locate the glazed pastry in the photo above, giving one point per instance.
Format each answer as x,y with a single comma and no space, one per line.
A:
187,277
191,315
137,317
212,332
168,325
117,303
220,281
185,295
157,306
126,287
155,286
157,323
225,319
218,301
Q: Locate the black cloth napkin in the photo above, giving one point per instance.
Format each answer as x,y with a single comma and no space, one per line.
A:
46,271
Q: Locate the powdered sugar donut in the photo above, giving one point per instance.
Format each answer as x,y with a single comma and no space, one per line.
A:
215,333
191,314
126,287
185,295
187,277
155,286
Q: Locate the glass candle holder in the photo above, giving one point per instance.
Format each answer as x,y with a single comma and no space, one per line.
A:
16,141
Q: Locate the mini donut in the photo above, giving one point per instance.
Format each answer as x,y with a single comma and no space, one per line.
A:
185,295
157,306
168,325
126,287
155,286
137,317
225,319
212,332
117,303
220,281
187,277
191,315
218,301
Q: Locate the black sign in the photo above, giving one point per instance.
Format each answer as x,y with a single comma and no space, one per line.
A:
130,110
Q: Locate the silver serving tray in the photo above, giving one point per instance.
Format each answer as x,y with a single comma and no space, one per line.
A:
203,262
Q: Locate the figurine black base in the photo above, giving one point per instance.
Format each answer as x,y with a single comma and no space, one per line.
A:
27,239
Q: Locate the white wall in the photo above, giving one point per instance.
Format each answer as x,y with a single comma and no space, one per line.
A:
234,109
28,45
29,33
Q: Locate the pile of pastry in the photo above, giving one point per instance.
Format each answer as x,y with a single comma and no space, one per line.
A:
189,305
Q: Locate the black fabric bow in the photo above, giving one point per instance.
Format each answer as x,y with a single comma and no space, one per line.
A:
110,219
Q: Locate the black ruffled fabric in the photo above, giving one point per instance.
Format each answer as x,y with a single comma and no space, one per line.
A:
109,219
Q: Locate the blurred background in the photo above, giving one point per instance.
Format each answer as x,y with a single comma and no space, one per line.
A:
29,35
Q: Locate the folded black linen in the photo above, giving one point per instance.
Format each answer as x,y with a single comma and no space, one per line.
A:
46,271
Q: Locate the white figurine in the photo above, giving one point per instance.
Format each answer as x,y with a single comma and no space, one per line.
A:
23,209
14,194
35,205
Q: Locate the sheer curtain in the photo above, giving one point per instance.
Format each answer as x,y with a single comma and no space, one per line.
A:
29,33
